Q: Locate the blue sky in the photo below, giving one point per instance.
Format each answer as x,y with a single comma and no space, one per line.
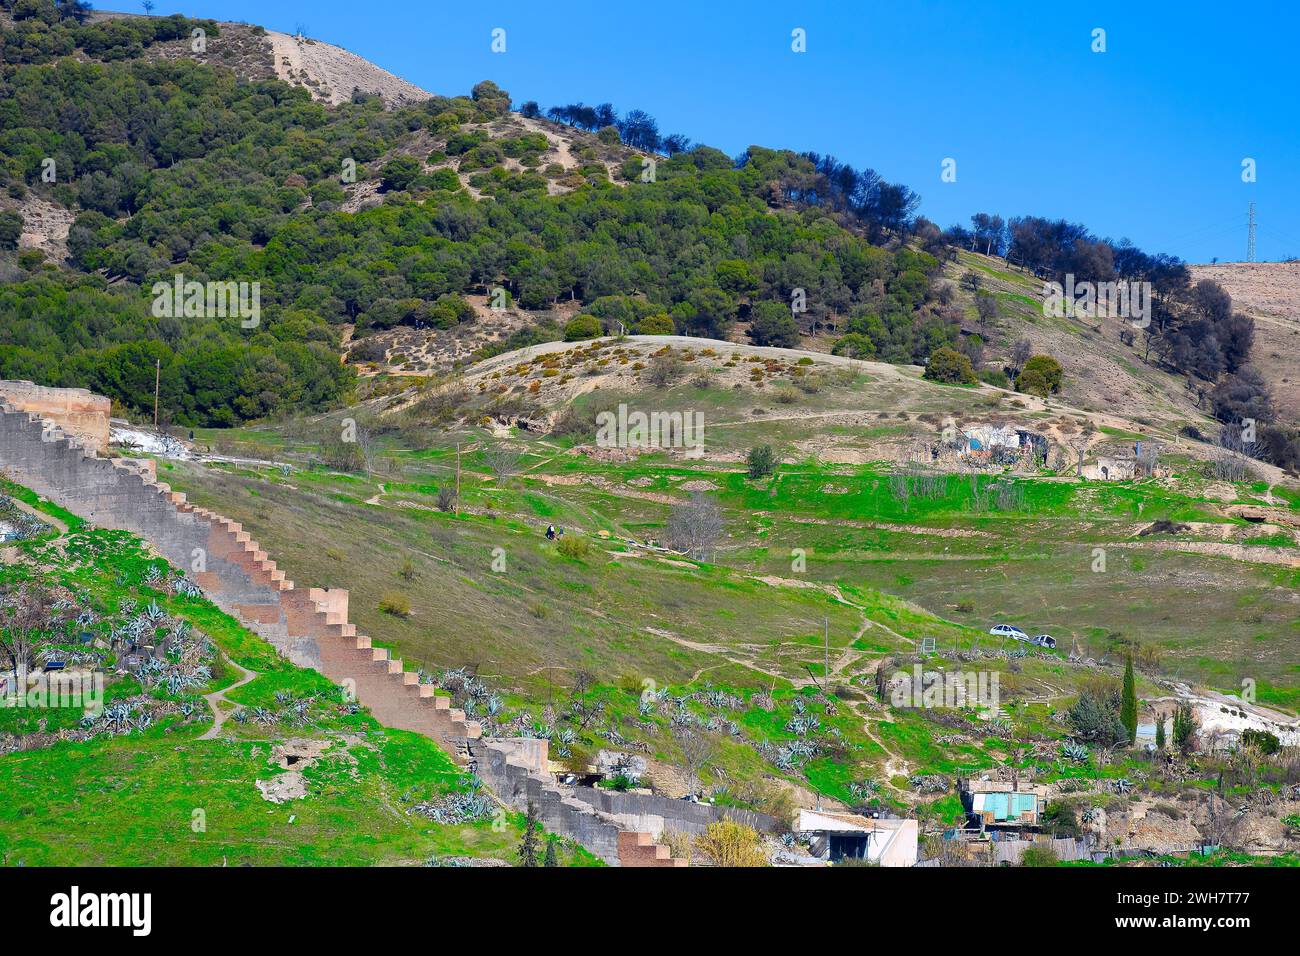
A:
1145,140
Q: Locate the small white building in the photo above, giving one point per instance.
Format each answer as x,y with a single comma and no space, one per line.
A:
836,836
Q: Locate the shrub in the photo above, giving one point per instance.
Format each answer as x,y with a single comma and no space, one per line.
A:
1039,856
573,547
660,324
400,173
395,603
1095,716
1060,820
995,376
727,843
761,461
950,367
368,350
664,370
11,229
854,345
1041,376
772,323
678,843
582,327
1267,743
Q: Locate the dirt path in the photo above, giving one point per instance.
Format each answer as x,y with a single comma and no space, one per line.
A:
216,697
36,513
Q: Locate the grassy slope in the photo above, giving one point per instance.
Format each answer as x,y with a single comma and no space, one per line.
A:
529,628
133,799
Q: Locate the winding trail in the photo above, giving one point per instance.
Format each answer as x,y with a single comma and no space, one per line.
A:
59,525
213,699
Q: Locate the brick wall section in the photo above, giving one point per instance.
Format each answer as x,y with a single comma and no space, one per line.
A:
308,625
76,411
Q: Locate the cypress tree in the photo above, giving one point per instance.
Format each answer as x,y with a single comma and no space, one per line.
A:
528,845
1128,712
1160,733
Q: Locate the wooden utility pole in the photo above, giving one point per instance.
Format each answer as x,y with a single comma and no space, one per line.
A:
157,378
826,634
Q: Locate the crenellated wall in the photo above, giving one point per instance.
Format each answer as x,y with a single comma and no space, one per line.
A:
308,625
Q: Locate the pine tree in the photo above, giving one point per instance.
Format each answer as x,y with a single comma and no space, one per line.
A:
551,859
528,845
1184,728
1128,712
1160,733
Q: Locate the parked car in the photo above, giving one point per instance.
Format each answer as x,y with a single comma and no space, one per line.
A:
1044,640
1009,630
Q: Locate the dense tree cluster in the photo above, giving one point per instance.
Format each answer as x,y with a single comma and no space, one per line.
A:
224,180
45,30
637,128
1193,328
177,168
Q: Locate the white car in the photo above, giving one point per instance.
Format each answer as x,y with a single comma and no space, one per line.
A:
1044,640
1008,630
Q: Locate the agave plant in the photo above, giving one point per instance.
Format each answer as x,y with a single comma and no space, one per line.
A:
1122,785
801,725
188,588
1074,752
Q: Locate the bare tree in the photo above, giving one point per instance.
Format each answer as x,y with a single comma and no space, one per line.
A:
1230,459
24,611
1148,459
1020,353
503,461
698,750
695,526
1079,443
